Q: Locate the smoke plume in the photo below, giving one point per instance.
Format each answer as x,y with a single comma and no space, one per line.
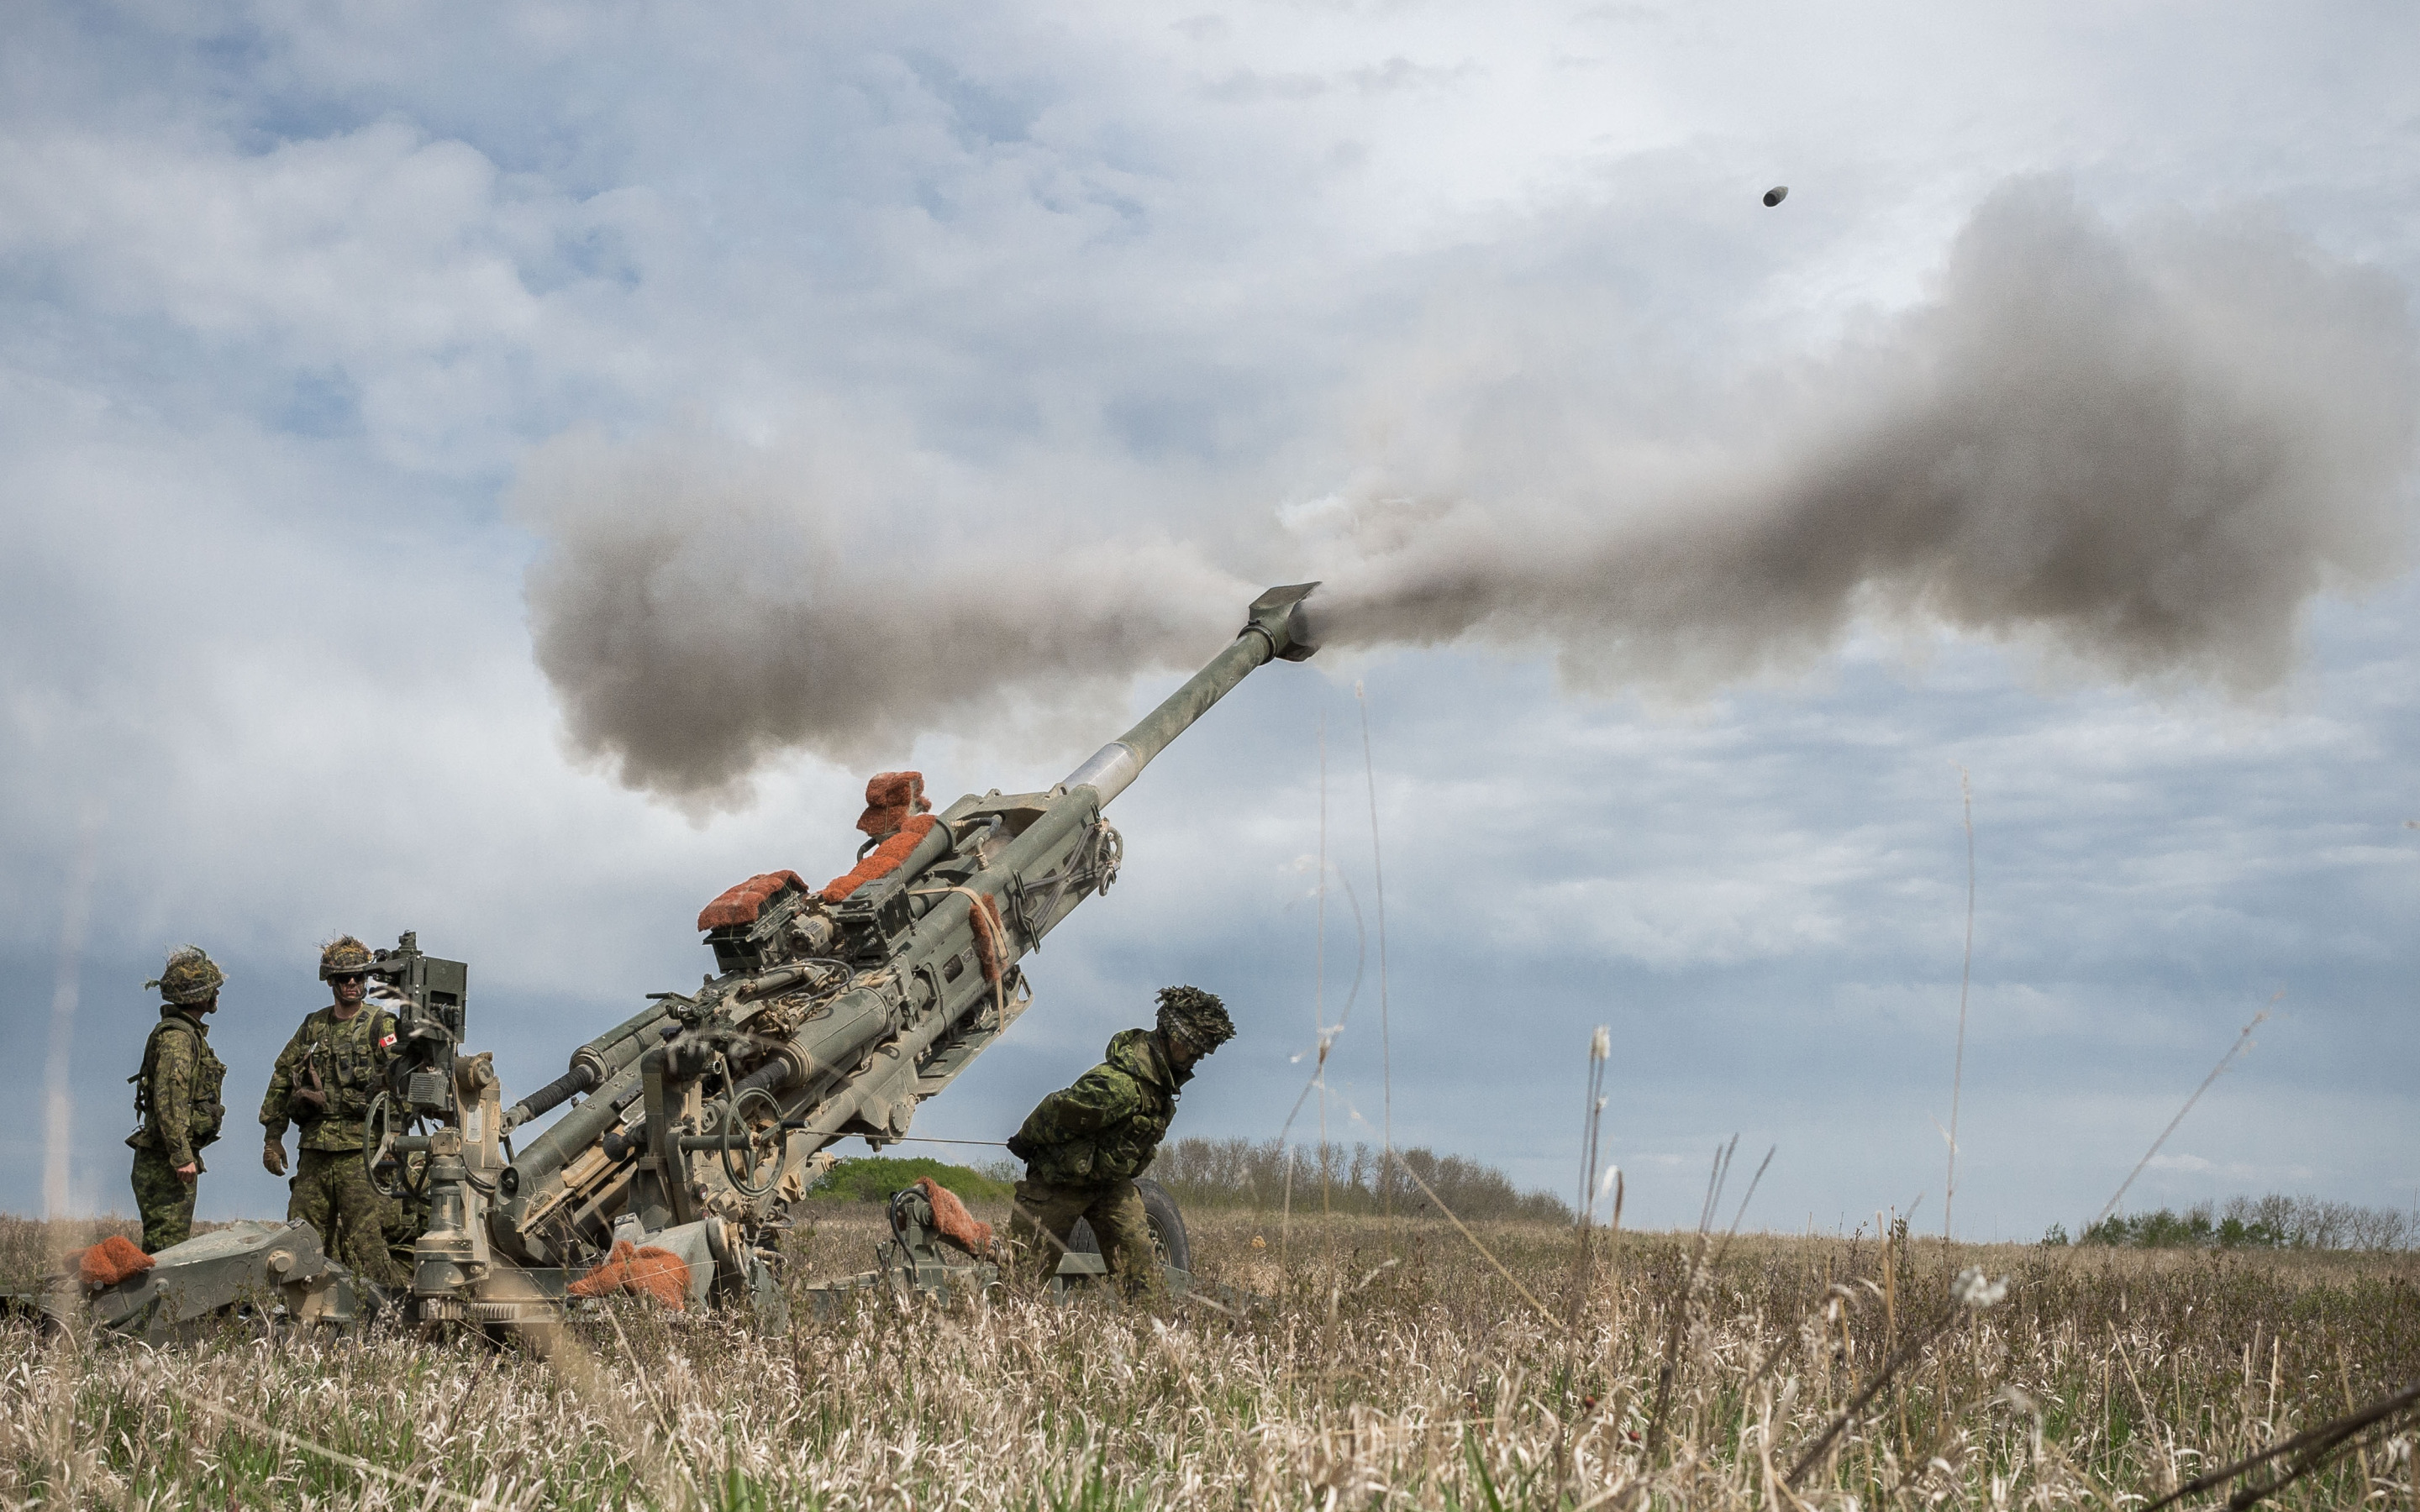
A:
2146,450
698,615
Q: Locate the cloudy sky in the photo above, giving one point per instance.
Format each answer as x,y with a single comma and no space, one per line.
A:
355,358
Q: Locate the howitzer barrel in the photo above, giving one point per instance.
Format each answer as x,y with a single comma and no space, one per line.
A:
1275,630
862,1063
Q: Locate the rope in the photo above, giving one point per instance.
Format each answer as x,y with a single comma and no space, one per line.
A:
976,905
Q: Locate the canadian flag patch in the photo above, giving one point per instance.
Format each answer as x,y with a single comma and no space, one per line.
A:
387,1041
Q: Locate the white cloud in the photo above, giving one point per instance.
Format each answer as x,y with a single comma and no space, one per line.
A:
395,262
291,292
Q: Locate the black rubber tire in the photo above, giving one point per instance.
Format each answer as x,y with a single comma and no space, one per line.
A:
1167,1228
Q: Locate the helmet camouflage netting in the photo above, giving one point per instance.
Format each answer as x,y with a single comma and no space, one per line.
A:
1196,1017
343,955
190,977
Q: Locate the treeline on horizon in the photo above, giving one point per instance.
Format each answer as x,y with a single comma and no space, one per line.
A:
1248,1173
2272,1221
1245,1174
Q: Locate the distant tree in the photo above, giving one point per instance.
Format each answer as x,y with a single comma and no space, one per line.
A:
875,1177
2272,1221
1263,1175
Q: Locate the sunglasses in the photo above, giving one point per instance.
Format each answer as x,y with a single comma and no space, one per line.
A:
354,976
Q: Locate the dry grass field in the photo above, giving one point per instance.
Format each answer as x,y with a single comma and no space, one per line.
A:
1394,1365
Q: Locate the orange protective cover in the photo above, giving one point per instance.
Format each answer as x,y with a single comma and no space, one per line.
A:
986,955
883,860
642,1270
111,1261
889,798
950,1215
741,904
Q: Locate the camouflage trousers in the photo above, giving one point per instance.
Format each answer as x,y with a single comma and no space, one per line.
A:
332,1194
164,1199
1045,1215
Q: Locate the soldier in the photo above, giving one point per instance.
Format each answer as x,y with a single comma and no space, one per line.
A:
177,1099
324,1081
1083,1147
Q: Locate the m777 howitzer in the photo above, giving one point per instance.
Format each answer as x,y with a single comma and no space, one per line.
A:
698,1121
833,1014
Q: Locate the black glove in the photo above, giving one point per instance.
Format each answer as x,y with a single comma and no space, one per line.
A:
1018,1147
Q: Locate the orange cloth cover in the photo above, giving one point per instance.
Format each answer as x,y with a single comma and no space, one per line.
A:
111,1261
741,904
950,1215
986,951
889,798
883,860
641,1270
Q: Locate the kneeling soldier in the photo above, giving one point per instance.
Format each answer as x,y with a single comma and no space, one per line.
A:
324,1081
1083,1147
177,1098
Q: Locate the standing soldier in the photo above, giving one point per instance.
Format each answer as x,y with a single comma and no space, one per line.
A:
177,1099
1083,1147
324,1081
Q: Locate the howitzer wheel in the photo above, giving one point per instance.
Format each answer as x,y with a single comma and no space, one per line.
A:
751,1157
391,1176
1167,1223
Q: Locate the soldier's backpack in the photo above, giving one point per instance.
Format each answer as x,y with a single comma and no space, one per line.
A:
208,1114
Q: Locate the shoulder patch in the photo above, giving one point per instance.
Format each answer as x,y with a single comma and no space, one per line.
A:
386,1043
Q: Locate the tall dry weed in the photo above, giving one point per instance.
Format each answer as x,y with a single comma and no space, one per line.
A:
1391,1367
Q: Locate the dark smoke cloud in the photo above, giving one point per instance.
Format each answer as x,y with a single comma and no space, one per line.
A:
698,615
2146,450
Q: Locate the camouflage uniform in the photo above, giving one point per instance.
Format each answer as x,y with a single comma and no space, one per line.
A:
1083,1147
324,1080
177,1100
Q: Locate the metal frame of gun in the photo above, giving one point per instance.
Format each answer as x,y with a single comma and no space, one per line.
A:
701,1116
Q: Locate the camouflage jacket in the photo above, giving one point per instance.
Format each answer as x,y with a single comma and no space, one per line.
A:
1108,1125
345,1059
177,1091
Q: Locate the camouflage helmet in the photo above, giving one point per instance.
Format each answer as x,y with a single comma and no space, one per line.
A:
190,977
1194,1019
344,955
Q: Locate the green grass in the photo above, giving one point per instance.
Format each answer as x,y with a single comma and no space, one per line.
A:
875,1177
